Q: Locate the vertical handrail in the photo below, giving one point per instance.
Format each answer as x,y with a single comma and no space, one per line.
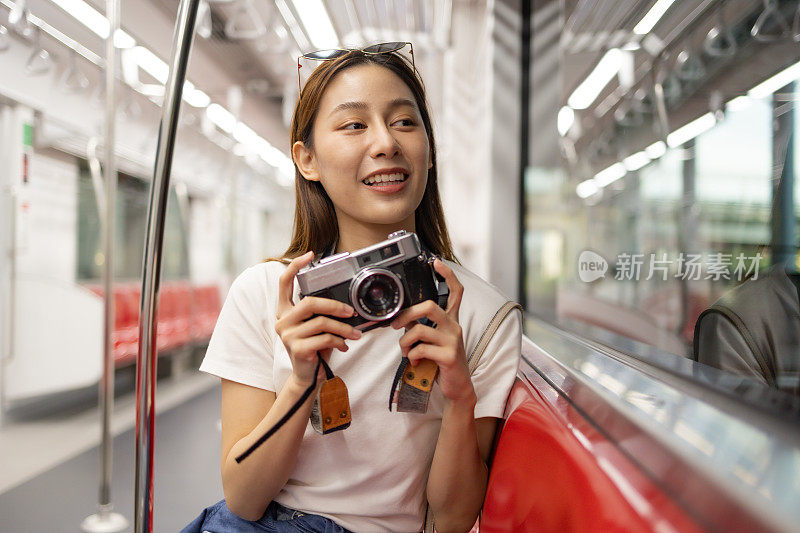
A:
7,348
106,520
107,383
154,237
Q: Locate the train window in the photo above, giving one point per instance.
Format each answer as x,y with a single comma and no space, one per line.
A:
672,214
90,244
130,224
176,250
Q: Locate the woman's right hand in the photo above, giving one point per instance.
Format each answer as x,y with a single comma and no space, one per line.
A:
304,336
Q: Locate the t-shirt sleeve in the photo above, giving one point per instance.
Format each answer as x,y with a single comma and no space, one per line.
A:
494,376
722,346
240,348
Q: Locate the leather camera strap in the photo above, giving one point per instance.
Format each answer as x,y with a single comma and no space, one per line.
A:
331,409
411,388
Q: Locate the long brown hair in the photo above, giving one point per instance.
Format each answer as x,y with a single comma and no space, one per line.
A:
315,223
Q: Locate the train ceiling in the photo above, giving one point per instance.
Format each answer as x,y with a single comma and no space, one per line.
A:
254,44
258,41
593,26
687,50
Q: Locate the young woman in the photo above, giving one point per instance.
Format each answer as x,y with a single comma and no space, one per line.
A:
363,147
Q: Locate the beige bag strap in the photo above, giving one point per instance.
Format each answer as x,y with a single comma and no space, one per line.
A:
472,361
475,357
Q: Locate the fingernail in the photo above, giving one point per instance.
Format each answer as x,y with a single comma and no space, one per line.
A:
357,334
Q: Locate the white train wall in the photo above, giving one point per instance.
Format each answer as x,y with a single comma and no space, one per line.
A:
52,325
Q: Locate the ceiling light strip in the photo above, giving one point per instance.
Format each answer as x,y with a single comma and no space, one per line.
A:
566,118
656,150
636,161
294,27
86,14
317,23
610,175
60,36
605,70
587,188
652,17
641,159
776,82
95,21
249,139
691,130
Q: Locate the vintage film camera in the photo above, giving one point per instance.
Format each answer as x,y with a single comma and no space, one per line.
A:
378,281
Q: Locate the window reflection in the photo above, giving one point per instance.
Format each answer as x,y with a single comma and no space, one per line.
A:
673,220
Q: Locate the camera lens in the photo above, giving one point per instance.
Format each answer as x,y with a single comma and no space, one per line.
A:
378,294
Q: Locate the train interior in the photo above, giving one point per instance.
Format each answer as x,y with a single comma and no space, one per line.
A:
625,170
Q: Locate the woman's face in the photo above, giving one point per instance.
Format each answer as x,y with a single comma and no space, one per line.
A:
368,128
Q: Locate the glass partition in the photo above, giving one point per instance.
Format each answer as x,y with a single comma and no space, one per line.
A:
671,223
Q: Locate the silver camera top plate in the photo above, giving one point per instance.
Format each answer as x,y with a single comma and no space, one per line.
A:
344,266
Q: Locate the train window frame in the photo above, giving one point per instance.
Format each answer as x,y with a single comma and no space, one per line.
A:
130,226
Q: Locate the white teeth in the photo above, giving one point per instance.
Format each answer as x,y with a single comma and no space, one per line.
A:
381,178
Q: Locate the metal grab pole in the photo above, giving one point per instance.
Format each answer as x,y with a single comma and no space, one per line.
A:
154,237
105,519
112,12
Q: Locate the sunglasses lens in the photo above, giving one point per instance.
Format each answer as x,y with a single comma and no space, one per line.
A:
324,55
383,48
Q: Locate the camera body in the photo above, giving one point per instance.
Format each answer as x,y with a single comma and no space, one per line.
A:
378,281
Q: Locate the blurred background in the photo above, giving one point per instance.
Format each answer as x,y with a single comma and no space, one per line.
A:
615,166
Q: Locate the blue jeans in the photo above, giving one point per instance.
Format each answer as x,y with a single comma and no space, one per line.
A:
277,519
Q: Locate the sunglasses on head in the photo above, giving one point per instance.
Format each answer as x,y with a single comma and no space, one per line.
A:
335,53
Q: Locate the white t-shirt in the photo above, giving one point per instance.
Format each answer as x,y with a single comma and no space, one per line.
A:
372,475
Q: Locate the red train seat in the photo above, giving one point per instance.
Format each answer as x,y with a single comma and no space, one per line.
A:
547,476
206,311
186,314
126,330
168,314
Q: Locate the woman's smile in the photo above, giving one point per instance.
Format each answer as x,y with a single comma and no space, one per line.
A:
387,181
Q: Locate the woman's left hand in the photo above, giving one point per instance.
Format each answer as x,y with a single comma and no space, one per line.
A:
444,344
